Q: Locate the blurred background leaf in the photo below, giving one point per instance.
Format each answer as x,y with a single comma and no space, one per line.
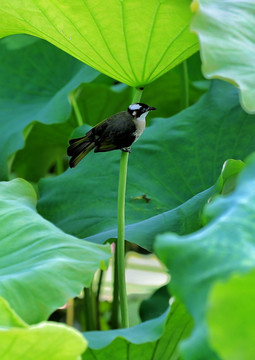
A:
37,79
97,101
155,305
198,261
226,34
44,149
105,36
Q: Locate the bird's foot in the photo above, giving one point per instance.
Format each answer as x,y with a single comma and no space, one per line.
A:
126,149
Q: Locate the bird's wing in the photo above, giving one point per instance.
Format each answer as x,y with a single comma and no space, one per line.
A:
105,146
110,121
106,132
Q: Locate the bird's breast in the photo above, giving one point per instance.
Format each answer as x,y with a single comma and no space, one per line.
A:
140,126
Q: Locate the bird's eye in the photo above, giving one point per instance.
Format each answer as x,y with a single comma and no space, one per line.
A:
134,113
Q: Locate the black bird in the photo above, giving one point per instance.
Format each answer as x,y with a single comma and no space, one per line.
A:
119,131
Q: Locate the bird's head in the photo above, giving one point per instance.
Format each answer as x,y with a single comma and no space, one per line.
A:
138,109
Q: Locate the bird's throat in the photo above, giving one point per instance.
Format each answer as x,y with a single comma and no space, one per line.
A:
140,124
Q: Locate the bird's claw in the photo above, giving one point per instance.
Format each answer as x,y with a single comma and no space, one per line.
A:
126,149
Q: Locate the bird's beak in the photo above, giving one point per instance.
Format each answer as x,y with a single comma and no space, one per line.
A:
152,108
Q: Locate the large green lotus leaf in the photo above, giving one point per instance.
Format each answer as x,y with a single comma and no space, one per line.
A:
41,267
46,340
226,34
171,175
233,336
156,339
198,261
36,78
131,41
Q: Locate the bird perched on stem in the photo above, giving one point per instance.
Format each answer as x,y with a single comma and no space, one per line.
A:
119,131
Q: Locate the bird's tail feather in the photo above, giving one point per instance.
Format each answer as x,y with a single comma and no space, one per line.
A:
79,148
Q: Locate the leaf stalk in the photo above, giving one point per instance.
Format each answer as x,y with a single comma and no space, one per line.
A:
120,251
184,85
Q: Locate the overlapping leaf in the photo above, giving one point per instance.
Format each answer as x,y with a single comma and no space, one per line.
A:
199,261
226,34
132,41
36,78
40,266
172,172
46,340
155,339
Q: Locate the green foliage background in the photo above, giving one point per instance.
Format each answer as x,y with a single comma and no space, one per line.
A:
190,194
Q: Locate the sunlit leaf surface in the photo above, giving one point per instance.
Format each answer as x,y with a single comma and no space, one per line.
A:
46,340
131,41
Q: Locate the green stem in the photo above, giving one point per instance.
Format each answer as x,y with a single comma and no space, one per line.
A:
76,109
121,240
97,300
184,85
89,302
59,166
70,312
137,94
121,229
115,302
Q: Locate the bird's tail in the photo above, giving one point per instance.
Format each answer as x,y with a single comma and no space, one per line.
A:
79,148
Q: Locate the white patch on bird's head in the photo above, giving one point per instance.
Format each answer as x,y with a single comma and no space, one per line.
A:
134,107
138,109
135,110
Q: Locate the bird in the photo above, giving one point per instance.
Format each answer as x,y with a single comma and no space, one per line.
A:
117,132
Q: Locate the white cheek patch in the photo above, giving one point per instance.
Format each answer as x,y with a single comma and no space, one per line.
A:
134,107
